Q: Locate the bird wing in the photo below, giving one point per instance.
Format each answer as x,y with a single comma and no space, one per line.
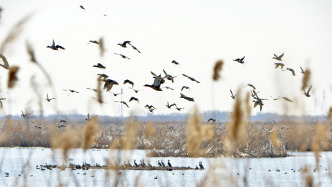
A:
153,74
309,89
301,69
5,62
59,46
165,72
275,56
281,55
260,107
156,81
185,75
53,43
287,99
231,92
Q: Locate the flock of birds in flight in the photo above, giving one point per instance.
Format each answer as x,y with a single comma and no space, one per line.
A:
157,82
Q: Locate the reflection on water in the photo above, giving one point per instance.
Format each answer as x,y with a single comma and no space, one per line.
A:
21,164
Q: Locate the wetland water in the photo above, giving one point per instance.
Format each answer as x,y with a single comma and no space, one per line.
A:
20,164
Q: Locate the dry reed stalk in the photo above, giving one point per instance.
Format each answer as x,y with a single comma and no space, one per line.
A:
247,105
12,76
329,115
99,92
66,141
15,31
320,140
150,130
306,79
217,69
128,141
101,47
274,137
89,132
31,53
195,134
237,126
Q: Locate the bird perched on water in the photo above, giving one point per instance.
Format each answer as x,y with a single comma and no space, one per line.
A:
168,76
201,165
5,62
211,119
49,99
129,82
99,65
240,60
169,163
55,47
190,78
278,57
133,99
175,62
232,96
93,42
291,70
124,103
156,83
123,56
306,93
109,84
186,97
279,64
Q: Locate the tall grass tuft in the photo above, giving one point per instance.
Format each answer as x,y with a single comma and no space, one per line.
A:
66,140
89,133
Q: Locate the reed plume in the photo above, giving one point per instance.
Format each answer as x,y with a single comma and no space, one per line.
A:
65,141
150,130
12,76
89,133
101,47
217,69
306,79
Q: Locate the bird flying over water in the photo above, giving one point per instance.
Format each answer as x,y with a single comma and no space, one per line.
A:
175,62
99,65
49,99
279,64
109,84
133,99
124,103
55,47
129,82
185,87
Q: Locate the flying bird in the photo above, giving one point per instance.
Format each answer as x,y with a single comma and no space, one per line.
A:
178,108
81,6
93,42
291,70
62,123
24,115
240,60
185,87
124,44
55,47
168,88
123,56
133,99
211,119
129,82
306,93
186,97
162,81
49,99
175,62
156,83
232,96
168,76
278,57
102,77
99,65
136,91
5,62
284,98
253,87
190,78
279,64
72,91
169,106
124,103
109,84
302,71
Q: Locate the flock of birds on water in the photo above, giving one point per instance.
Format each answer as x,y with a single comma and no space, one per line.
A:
158,81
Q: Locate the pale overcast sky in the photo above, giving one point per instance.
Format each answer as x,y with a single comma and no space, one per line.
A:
194,33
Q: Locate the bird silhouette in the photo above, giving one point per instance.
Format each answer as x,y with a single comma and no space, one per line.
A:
232,96
279,64
156,84
49,99
278,57
123,56
55,47
190,78
240,60
109,84
186,97
306,93
5,62
99,65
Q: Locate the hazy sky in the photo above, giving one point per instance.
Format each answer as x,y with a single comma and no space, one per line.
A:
194,33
